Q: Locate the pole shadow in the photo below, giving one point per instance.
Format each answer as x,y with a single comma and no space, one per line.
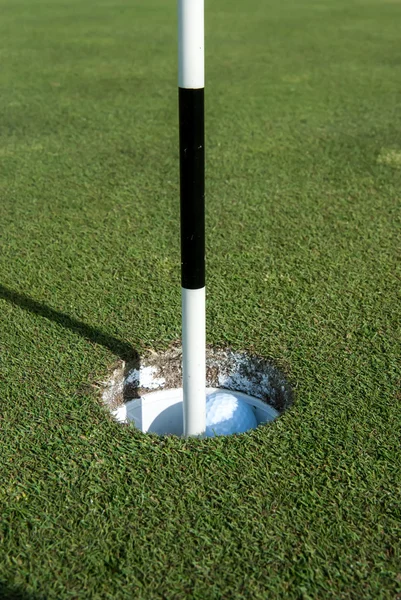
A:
125,351
11,592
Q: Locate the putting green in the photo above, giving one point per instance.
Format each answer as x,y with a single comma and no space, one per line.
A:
303,219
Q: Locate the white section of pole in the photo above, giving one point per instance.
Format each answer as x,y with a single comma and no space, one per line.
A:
194,361
191,52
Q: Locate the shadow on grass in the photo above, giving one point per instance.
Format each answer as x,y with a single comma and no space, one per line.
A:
12,592
122,349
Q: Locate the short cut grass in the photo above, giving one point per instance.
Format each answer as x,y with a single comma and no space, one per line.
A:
303,267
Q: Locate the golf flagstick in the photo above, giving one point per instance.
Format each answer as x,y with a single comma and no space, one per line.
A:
192,203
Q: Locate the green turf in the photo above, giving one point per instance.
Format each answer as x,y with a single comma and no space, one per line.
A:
303,266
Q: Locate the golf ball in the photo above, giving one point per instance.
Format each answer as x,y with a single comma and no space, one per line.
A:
226,414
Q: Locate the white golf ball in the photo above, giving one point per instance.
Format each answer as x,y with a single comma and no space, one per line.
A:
226,414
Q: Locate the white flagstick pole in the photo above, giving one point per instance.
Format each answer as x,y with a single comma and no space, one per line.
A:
192,192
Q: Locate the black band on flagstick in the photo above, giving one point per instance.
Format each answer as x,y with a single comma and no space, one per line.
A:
192,177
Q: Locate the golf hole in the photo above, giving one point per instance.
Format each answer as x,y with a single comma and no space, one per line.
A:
149,395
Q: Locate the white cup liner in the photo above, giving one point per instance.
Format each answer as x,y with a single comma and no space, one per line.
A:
161,412
147,393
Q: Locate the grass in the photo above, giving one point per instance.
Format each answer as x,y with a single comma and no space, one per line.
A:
303,220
